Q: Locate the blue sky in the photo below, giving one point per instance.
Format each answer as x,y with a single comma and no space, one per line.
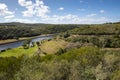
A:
60,11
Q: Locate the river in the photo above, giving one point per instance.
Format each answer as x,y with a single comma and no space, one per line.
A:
19,43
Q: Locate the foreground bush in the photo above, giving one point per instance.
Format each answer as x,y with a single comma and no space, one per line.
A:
86,63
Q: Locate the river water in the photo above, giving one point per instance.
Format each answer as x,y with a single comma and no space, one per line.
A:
19,43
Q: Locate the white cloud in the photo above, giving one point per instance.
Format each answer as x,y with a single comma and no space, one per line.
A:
25,3
9,17
4,10
64,19
61,8
29,12
91,15
102,11
74,19
60,18
16,9
81,1
82,9
38,8
89,20
22,20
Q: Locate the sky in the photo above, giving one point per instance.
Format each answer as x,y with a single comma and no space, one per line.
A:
60,11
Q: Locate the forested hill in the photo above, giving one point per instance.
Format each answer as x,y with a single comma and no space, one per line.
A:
17,30
11,24
101,29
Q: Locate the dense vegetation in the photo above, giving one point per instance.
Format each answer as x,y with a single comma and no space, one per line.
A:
14,31
91,52
102,29
112,41
103,36
77,64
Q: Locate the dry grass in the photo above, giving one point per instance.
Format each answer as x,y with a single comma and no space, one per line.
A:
11,40
7,41
53,46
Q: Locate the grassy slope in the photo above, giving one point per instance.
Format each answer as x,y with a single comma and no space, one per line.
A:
53,46
18,52
49,47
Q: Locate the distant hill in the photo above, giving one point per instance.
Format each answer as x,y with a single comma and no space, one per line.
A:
21,24
116,23
42,24
112,23
102,29
16,30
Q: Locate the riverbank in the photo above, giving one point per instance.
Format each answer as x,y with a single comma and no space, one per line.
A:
16,52
21,39
48,47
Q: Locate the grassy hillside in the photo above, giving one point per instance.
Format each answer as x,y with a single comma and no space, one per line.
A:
16,52
53,46
49,47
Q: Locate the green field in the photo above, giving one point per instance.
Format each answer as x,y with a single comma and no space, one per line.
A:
16,52
49,47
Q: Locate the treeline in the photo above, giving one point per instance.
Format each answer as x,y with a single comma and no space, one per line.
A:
102,29
103,36
15,32
112,41
86,63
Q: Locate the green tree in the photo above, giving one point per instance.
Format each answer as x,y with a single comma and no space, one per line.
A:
38,44
26,43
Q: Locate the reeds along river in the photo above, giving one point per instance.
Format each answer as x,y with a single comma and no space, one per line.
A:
19,43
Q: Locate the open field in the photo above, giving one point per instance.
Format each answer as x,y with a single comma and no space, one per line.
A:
53,46
16,52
